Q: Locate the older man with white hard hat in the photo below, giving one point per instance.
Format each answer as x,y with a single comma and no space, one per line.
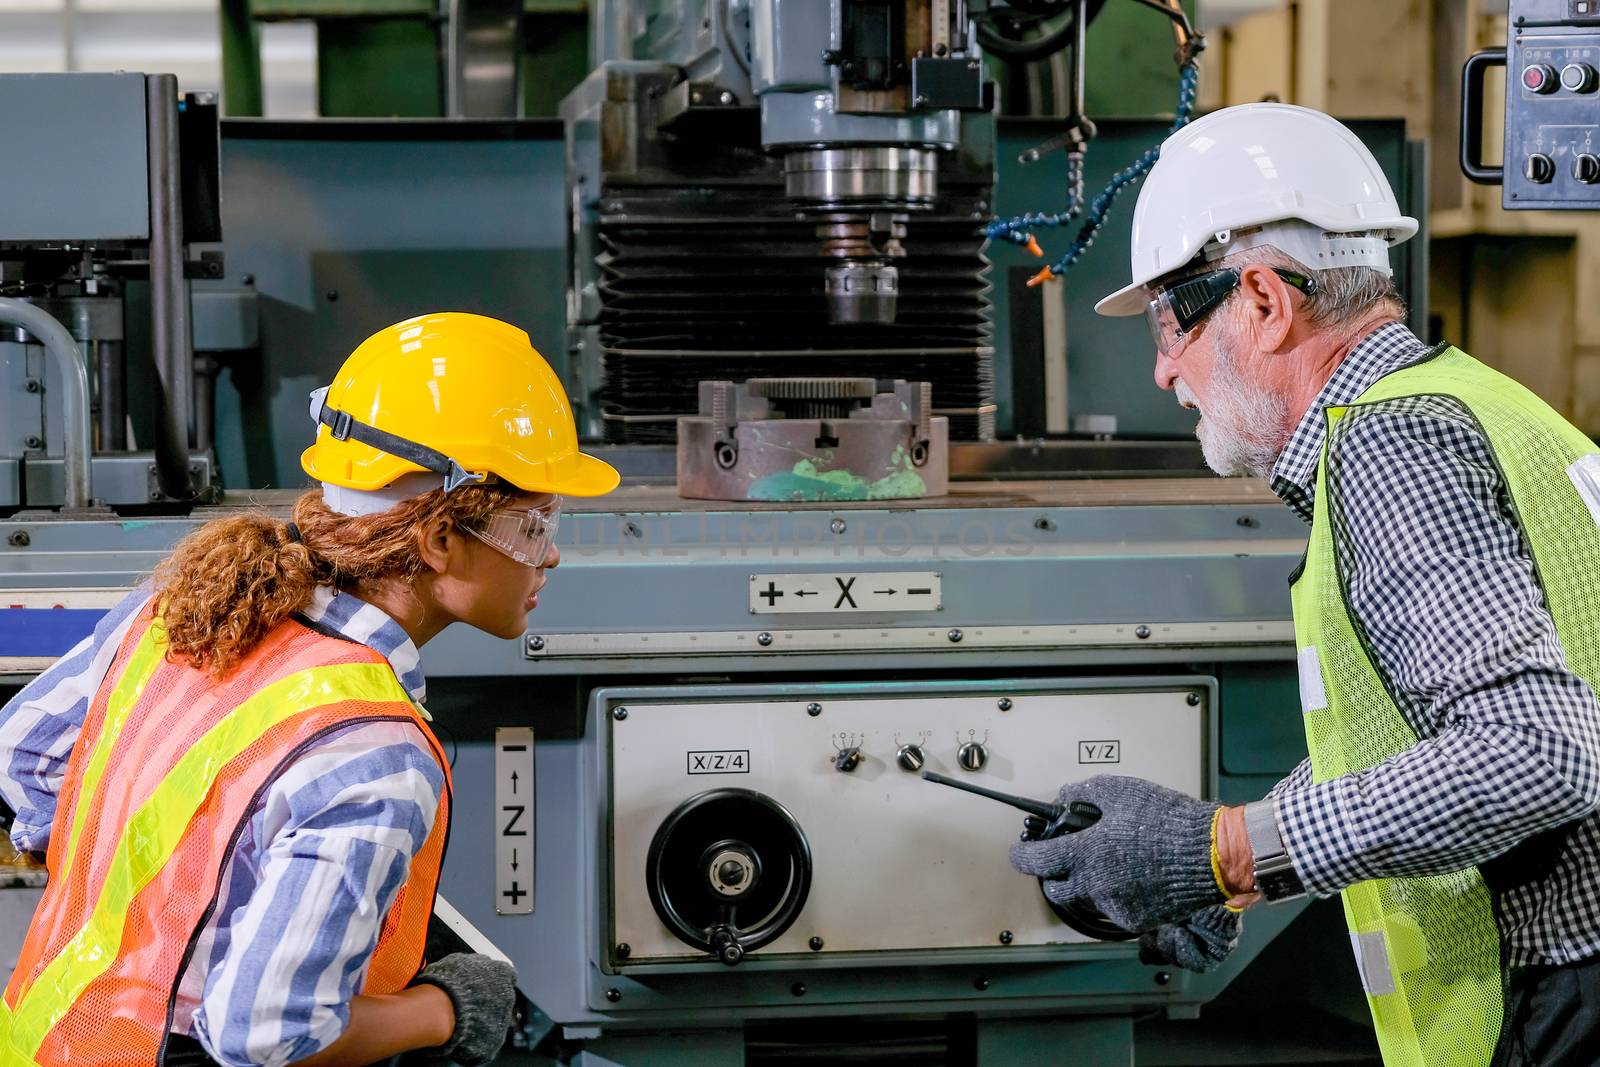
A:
1447,616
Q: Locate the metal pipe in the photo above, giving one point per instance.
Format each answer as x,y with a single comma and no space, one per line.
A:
113,398
59,345
171,340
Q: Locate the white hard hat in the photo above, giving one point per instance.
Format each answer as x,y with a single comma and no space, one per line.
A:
1246,167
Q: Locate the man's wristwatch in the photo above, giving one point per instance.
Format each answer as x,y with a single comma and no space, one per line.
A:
1275,875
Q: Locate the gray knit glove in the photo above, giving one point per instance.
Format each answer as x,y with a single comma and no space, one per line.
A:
1199,943
484,992
1146,862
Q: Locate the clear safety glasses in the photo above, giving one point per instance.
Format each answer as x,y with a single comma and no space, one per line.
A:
524,534
1177,309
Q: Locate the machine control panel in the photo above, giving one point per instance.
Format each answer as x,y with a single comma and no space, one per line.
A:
788,851
1552,107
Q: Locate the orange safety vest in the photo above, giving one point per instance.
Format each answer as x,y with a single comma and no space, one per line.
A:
169,766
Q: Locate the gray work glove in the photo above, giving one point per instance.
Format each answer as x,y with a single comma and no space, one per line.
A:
484,992
1146,862
1199,943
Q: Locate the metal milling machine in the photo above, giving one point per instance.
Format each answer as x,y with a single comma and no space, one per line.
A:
688,803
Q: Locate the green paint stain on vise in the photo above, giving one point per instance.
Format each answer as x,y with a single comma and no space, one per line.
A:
805,482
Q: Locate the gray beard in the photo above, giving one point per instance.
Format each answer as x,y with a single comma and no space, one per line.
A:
1241,430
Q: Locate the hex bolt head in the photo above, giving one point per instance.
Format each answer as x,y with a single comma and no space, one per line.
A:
1004,703
619,714
613,995
1142,632
1193,700
955,636
813,710
624,950
19,539
837,526
980,983
1006,937
535,643
798,989
816,944
763,639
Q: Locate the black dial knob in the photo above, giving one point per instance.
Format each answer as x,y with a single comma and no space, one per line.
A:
910,757
1586,168
1578,78
1540,78
972,756
848,759
1540,168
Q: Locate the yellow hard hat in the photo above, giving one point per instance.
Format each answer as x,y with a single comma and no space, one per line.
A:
465,396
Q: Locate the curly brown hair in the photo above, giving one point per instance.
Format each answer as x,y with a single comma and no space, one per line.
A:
226,585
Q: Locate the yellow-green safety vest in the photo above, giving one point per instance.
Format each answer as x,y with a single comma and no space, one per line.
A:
1428,948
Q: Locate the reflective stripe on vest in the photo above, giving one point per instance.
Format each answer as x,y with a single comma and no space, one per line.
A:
95,931
1429,947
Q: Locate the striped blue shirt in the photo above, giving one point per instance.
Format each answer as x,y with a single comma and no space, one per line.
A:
317,865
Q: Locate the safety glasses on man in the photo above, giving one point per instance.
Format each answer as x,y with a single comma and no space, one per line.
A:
523,533
1177,309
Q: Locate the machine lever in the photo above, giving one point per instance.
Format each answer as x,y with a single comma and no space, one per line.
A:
1049,819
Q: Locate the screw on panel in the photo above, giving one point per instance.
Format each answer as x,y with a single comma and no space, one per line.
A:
631,529
33,386
1193,699
1163,977
624,950
816,944
837,526
1004,703
1249,522
798,989
332,295
1006,937
33,441
613,995
813,710
1142,632
535,643
763,639
955,636
980,983
19,539
619,714
1044,522
725,98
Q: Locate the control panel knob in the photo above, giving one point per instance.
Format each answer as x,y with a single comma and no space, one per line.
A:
1586,168
972,756
1540,168
910,757
1578,78
848,759
1540,78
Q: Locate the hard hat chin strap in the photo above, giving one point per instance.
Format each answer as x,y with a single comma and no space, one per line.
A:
1312,246
342,426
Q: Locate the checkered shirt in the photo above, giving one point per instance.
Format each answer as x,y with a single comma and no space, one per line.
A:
1506,771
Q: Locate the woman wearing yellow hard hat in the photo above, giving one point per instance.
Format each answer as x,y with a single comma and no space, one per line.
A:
243,809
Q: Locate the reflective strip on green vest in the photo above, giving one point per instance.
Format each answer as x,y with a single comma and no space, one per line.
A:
153,832
1428,948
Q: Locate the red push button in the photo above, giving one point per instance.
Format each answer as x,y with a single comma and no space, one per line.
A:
1540,78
